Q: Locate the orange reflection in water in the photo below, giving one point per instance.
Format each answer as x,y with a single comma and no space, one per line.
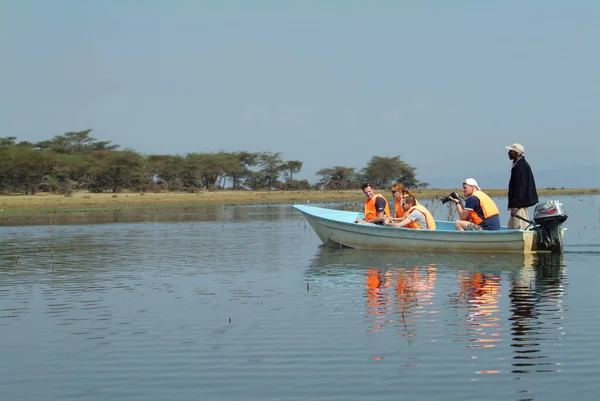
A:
481,293
399,295
378,300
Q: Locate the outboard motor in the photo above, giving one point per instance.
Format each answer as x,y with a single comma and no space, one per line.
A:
548,218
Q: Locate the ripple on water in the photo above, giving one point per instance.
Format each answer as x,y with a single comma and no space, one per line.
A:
255,308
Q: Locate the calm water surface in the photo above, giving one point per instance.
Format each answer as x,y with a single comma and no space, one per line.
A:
244,303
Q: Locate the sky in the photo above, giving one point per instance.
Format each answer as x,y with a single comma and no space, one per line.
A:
445,85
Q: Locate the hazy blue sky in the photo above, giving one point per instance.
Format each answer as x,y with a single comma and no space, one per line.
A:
444,84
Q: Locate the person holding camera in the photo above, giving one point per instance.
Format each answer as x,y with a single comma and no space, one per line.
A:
417,216
479,212
376,207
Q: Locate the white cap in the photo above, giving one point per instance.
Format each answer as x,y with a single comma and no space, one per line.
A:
517,147
471,181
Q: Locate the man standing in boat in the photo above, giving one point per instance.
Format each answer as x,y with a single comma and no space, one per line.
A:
376,207
522,192
416,216
479,212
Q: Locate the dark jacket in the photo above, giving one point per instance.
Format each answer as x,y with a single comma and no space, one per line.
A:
521,187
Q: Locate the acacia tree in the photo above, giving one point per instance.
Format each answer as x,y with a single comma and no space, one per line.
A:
233,166
78,158
241,169
289,168
167,170
75,168
256,180
205,170
383,171
408,177
8,141
75,142
271,164
115,169
337,177
296,185
23,168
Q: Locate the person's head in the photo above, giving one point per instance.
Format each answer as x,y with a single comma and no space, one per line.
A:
515,151
470,186
398,190
368,190
409,201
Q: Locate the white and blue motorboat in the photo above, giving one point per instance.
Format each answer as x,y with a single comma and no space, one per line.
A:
544,234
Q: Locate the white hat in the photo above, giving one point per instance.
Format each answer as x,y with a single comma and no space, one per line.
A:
471,181
517,147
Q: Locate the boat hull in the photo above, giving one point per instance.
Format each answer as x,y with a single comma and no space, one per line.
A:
338,227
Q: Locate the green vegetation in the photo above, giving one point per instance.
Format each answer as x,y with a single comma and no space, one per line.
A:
77,161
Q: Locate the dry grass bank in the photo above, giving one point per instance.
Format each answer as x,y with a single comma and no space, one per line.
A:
10,204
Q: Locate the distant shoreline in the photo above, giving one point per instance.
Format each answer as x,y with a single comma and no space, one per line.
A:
81,201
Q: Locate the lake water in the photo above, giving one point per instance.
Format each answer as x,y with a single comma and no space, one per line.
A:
244,303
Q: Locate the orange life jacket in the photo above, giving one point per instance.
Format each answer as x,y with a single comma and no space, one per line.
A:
398,209
370,211
428,218
488,207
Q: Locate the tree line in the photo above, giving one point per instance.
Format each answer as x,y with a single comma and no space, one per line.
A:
76,160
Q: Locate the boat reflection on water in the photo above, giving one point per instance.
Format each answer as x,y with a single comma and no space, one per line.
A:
480,301
478,298
399,295
537,308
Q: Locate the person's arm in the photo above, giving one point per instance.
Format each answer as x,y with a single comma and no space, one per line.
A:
403,223
396,222
415,215
463,213
380,205
379,219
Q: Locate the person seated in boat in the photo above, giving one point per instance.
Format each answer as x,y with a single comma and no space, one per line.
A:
479,212
398,191
416,216
376,207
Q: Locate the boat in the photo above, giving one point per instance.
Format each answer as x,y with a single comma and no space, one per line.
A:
544,234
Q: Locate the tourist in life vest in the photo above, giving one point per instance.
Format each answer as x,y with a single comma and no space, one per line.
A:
479,212
376,207
417,216
398,191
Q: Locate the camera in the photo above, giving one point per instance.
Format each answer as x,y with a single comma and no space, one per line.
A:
447,198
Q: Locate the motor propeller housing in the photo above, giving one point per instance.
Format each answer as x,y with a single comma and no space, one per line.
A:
551,211
548,218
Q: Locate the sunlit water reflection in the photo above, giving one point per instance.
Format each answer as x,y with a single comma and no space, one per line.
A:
245,303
